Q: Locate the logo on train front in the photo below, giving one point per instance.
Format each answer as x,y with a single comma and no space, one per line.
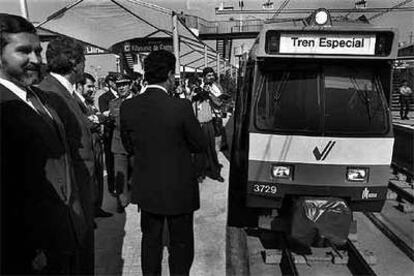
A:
366,194
320,156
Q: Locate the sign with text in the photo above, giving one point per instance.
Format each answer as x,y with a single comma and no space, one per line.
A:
145,45
335,44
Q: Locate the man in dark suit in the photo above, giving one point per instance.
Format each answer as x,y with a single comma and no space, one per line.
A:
162,132
41,216
85,89
66,63
103,102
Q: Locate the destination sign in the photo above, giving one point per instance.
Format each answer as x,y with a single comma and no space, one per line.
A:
342,44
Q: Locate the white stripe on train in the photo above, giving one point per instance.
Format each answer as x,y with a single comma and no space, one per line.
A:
320,150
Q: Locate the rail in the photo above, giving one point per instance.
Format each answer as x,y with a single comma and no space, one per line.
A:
406,249
356,262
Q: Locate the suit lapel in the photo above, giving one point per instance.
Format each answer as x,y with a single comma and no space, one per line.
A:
52,132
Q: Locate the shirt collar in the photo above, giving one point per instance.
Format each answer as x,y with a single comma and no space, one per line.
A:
156,86
80,96
22,94
64,81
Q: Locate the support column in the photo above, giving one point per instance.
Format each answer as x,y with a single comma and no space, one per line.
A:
218,66
176,44
23,9
205,56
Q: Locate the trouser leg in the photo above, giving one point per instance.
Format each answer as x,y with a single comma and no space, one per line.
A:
99,174
121,172
213,168
151,244
181,247
109,164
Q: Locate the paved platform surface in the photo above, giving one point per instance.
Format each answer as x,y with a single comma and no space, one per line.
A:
396,118
118,238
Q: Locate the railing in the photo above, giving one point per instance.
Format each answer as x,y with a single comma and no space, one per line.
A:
220,27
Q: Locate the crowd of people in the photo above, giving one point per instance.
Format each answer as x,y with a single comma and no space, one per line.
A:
155,139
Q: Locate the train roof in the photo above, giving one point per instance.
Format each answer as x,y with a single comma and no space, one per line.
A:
338,25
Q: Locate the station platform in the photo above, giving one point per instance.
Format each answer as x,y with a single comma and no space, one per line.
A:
396,119
118,238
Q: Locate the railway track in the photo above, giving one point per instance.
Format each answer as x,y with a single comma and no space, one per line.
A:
357,264
378,221
402,193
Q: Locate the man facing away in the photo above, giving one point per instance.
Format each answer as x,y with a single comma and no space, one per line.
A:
162,132
66,64
42,220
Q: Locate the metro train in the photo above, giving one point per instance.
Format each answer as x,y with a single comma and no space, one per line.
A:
312,117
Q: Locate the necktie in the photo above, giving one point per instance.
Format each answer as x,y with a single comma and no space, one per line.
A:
41,109
38,105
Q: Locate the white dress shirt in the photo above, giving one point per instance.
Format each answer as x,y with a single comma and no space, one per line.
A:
155,86
64,81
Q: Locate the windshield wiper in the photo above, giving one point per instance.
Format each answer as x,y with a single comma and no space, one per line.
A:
281,84
363,96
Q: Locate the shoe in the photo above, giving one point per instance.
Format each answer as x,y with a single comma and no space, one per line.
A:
124,199
120,209
220,179
99,213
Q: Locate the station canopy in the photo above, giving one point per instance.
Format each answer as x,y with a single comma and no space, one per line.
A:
104,23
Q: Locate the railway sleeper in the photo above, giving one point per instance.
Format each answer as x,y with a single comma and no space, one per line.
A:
405,207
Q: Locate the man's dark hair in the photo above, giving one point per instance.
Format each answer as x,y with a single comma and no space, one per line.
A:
136,75
63,54
110,77
157,65
207,70
12,24
86,76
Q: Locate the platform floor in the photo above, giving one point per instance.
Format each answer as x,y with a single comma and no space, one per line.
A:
118,238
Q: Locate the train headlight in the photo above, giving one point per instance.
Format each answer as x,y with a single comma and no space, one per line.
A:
282,171
357,174
321,17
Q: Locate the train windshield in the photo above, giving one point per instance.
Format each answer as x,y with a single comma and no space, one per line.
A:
321,99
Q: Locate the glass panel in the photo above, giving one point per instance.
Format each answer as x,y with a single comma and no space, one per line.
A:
288,100
354,100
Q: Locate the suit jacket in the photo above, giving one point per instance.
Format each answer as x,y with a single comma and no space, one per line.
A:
40,206
162,132
116,143
104,100
77,129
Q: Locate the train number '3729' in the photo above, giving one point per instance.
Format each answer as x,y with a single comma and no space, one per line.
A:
264,189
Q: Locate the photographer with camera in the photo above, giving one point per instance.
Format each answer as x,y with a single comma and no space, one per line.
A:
205,99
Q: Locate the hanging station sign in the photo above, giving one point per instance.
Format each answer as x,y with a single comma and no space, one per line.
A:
144,45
